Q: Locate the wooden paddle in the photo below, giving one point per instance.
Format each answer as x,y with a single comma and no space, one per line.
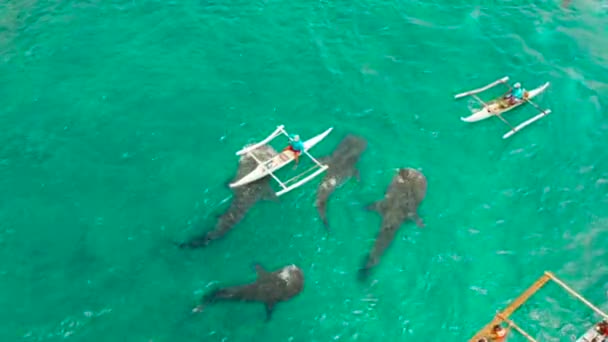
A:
506,122
535,105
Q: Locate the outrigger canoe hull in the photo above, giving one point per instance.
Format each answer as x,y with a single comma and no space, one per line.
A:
276,163
485,113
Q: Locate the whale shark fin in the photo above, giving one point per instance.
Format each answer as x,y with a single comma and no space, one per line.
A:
376,206
269,309
261,271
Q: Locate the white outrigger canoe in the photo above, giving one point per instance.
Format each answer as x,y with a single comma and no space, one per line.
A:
498,106
268,167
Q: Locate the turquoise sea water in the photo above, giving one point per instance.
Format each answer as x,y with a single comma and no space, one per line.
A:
120,120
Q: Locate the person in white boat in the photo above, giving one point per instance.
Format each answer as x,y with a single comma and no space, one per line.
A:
296,146
499,333
602,328
515,95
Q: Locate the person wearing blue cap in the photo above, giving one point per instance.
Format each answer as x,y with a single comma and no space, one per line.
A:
516,94
296,146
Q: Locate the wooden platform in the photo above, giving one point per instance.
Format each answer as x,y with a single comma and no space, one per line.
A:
503,316
509,310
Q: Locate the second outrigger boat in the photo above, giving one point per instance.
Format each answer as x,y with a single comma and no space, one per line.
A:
499,106
596,333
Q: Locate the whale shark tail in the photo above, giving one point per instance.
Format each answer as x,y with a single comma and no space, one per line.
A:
369,263
197,242
363,273
213,297
219,294
325,222
322,209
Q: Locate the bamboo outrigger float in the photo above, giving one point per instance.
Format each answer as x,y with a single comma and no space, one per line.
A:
594,333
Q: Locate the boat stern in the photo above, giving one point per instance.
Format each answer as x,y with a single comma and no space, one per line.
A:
477,116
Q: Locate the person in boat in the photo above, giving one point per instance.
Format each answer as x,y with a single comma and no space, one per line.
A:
515,95
499,333
602,328
296,146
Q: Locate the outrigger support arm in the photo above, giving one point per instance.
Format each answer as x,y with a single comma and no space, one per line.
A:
313,159
286,190
265,168
534,105
575,294
274,134
479,90
520,330
526,123
305,151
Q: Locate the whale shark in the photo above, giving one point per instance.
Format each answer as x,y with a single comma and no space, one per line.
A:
342,166
244,198
400,203
269,288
